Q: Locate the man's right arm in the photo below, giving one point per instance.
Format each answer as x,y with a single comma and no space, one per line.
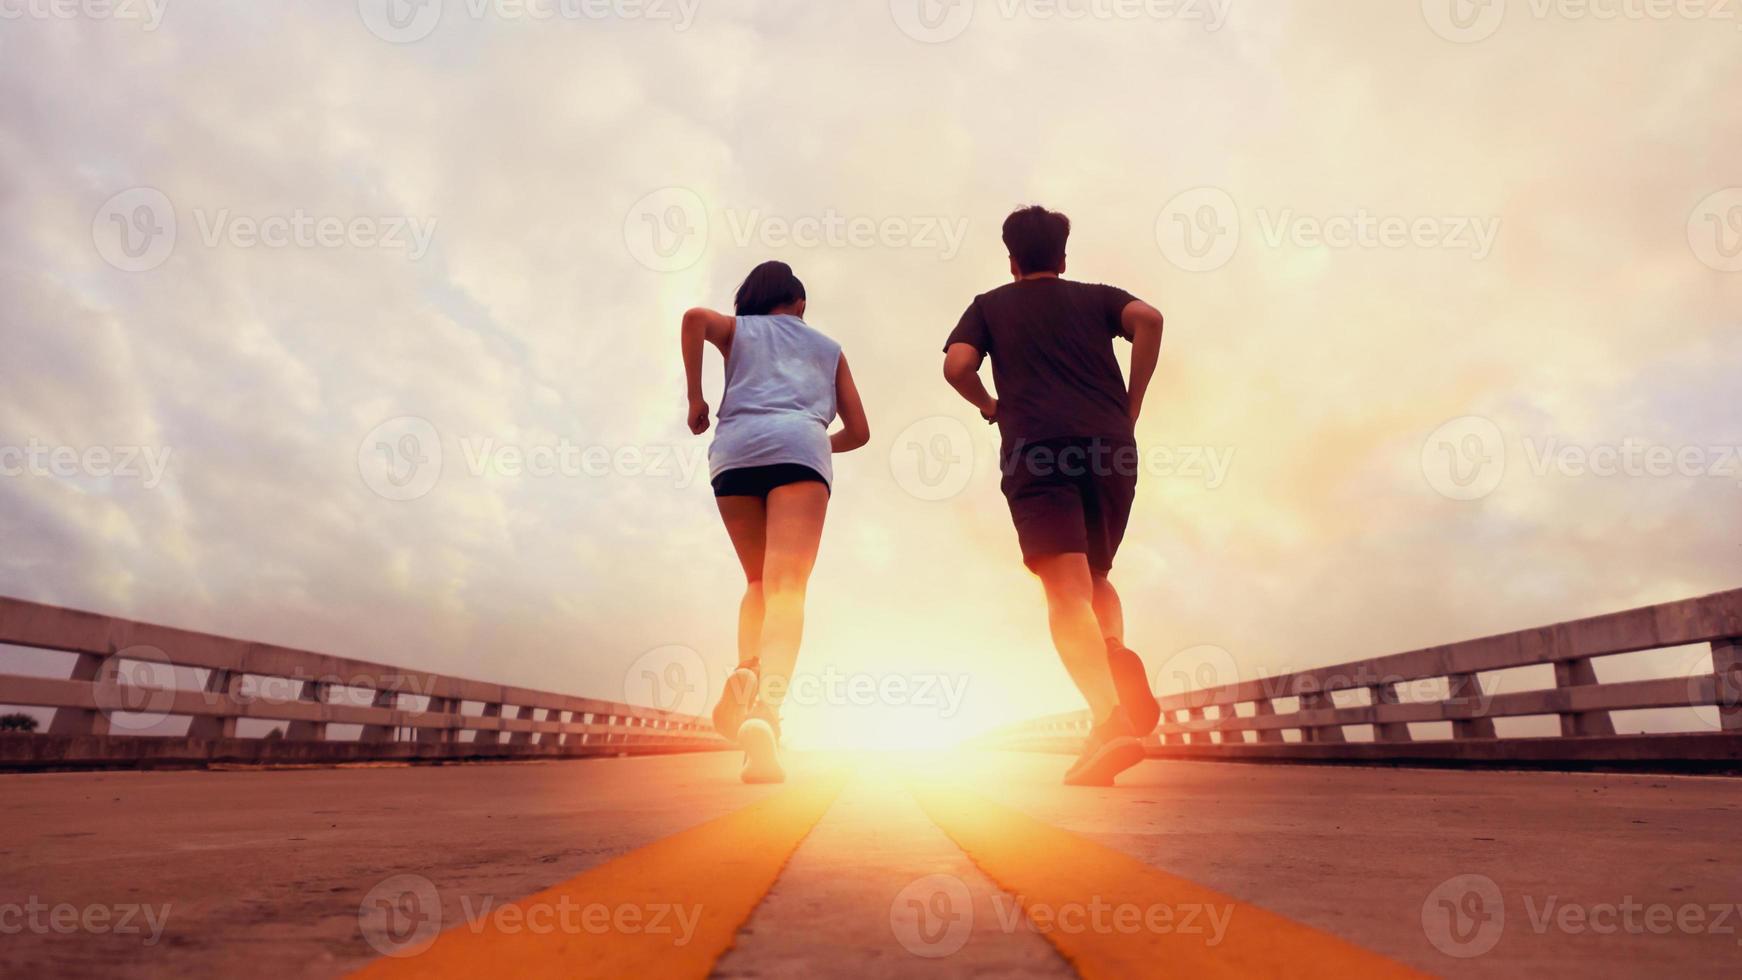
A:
962,371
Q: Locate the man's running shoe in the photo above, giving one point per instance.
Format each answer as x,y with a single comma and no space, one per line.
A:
1110,749
760,738
735,700
1132,682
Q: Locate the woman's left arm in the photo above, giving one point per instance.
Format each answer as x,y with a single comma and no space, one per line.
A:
701,325
855,428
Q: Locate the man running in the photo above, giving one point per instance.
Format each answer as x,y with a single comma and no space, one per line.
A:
1069,460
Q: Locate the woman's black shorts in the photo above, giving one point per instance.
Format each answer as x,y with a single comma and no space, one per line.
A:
757,481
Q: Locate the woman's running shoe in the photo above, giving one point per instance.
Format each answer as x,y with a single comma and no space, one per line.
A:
759,736
736,699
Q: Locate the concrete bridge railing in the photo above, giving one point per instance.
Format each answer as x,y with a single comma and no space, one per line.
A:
1243,720
116,691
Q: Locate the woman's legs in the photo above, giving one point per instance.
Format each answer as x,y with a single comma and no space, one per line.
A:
793,529
746,521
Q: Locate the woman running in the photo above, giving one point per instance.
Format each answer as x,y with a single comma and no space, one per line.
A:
770,463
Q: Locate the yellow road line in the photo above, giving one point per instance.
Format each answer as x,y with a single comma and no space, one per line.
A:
1113,916
669,909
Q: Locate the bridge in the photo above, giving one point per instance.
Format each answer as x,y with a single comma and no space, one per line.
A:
1484,808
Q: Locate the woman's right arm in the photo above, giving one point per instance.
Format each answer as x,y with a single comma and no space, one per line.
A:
702,325
855,428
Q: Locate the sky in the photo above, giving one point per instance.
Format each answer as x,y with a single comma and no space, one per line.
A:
353,326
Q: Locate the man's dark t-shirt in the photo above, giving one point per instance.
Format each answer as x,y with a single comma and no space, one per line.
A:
1051,344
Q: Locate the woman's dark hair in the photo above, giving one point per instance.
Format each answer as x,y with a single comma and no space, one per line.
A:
1036,239
768,287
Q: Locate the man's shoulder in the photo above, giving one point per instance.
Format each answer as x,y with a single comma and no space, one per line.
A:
1016,286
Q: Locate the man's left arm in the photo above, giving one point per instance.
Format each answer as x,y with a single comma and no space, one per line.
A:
1143,324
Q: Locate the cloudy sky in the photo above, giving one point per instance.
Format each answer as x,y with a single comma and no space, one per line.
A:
369,313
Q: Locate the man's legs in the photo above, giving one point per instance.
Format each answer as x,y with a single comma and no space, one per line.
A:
1076,629
1108,610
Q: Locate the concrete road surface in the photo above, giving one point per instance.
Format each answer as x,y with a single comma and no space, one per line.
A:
283,872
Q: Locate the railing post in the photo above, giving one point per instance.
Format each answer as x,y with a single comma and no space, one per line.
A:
523,713
381,733
309,731
1324,734
1727,669
224,686
491,710
1579,673
1387,731
82,721
1196,713
1262,708
438,706
1468,687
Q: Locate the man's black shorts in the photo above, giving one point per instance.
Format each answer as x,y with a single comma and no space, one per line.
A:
1071,496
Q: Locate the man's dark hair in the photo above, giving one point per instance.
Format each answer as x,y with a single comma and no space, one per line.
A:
1036,239
768,287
